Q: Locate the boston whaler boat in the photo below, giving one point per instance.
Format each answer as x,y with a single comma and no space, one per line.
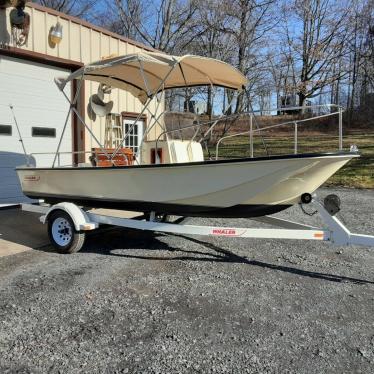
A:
184,184
168,176
228,188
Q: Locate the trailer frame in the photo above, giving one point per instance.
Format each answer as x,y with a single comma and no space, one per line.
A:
68,223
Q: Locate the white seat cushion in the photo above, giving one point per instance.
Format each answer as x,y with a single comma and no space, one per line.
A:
195,152
184,151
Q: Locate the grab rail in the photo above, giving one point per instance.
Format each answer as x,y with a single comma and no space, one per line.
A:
295,123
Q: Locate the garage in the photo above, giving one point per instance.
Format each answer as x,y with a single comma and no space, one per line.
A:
40,110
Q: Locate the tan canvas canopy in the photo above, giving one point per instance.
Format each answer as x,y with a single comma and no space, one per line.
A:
146,73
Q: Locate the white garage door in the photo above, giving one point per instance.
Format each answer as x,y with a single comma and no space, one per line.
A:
40,110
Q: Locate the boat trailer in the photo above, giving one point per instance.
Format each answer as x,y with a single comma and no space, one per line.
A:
68,224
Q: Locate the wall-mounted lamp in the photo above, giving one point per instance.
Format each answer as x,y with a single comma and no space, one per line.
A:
20,24
55,33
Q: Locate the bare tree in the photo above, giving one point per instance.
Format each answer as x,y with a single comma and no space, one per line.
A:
360,46
166,25
281,66
249,22
210,40
124,18
317,44
77,8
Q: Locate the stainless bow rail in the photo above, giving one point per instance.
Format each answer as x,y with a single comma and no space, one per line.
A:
251,132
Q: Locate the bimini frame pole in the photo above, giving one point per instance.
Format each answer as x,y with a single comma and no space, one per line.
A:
72,108
153,116
71,104
155,121
149,100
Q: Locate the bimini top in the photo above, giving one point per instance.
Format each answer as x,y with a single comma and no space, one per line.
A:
144,74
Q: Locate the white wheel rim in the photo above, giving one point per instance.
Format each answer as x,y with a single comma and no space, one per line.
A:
62,232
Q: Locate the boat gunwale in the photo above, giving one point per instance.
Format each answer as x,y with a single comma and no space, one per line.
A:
197,163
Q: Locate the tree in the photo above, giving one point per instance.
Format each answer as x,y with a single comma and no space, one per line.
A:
210,40
165,25
317,43
281,66
360,46
77,8
249,23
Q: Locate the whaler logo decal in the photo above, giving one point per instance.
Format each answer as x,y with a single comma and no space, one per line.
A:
226,232
31,178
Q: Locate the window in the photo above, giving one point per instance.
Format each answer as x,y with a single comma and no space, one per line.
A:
135,136
5,130
47,132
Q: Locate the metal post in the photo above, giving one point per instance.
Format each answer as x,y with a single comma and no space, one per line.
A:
91,133
146,104
74,109
131,128
295,139
143,76
258,128
19,135
62,134
72,104
155,118
340,129
251,134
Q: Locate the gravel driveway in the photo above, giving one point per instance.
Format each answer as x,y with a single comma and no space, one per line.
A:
136,302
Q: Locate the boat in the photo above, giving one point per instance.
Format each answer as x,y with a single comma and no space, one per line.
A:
171,176
247,187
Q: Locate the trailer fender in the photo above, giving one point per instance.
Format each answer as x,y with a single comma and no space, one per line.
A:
78,215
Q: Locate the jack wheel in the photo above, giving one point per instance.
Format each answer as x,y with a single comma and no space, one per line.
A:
306,198
62,233
332,204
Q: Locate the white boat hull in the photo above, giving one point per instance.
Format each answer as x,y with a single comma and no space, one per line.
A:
228,188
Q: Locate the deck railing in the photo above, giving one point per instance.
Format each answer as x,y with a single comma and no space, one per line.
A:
251,132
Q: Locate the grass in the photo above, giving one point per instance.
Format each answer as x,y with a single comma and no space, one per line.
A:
358,173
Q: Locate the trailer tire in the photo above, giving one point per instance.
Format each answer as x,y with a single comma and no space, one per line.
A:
62,233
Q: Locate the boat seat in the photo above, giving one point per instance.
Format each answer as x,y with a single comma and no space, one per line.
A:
123,157
185,151
195,152
178,151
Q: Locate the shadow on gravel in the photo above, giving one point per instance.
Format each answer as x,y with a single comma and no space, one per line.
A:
114,239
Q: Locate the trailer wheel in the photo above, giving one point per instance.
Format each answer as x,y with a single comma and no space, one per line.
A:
62,233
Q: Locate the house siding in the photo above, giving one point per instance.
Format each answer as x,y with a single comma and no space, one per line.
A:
82,43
